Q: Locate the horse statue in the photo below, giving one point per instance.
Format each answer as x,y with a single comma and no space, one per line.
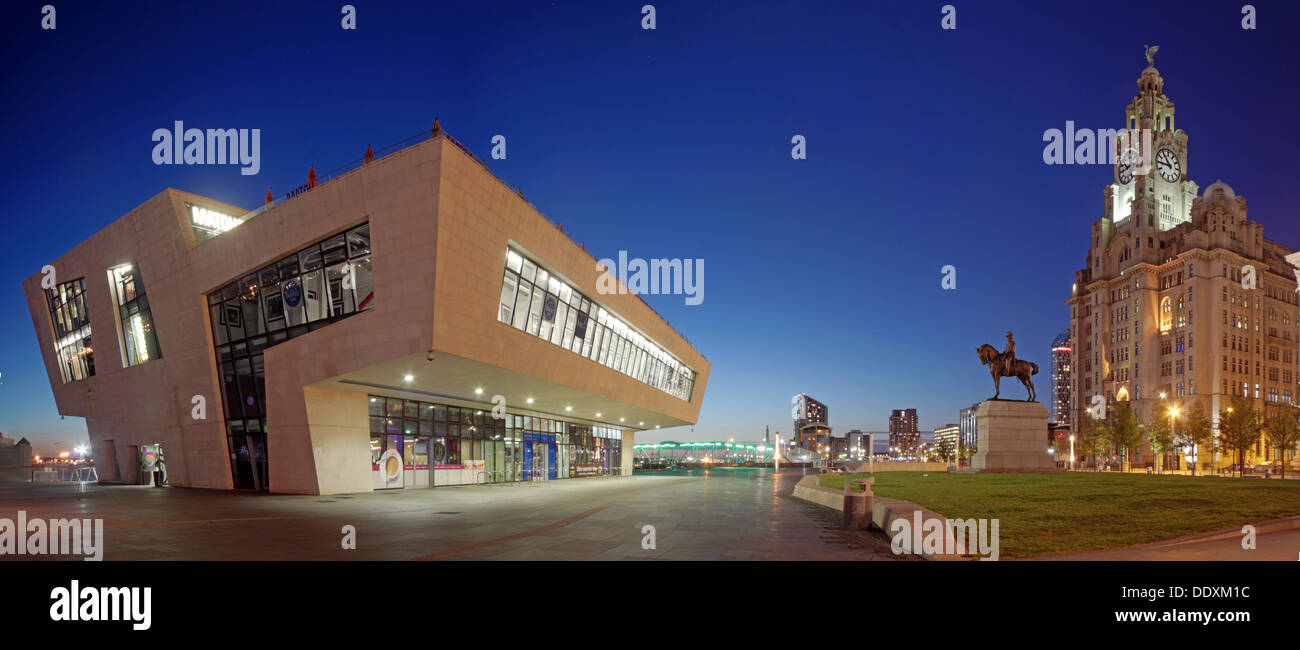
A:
1022,370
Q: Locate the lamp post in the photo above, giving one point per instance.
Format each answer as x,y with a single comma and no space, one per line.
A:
1173,412
1216,452
1164,395
871,453
1071,452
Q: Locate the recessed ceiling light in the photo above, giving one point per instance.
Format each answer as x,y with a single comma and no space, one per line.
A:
597,415
640,424
568,408
408,378
530,400
478,391
620,419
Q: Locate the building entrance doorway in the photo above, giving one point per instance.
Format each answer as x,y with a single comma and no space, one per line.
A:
541,462
248,464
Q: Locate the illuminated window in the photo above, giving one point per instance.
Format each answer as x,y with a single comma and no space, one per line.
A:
552,310
138,338
71,323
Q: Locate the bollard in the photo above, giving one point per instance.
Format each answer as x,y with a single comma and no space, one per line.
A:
858,505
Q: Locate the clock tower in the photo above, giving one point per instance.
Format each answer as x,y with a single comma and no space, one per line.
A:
1151,184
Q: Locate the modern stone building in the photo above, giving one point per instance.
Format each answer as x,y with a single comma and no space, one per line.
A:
409,322
1182,298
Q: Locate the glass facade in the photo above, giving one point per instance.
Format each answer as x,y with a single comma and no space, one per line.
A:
535,301
139,340
319,285
424,444
71,321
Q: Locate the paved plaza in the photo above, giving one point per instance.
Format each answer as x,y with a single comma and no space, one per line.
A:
716,514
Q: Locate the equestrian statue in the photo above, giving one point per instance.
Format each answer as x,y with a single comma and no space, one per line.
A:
1005,364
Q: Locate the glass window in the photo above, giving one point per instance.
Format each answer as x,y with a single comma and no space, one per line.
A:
310,258
359,241
508,298
269,306
72,339
535,312
342,297
521,304
333,250
139,340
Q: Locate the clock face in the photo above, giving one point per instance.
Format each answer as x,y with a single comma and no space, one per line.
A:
1167,164
1127,161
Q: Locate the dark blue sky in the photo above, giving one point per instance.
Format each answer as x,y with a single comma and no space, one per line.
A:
822,275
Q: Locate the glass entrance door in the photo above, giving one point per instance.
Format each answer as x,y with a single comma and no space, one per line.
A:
416,455
541,463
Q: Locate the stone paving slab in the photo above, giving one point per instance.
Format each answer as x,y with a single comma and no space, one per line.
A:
716,514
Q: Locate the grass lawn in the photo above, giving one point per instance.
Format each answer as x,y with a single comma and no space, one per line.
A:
1042,514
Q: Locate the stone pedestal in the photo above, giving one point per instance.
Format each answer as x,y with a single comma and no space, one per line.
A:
1012,438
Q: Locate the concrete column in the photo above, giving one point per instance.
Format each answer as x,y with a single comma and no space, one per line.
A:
628,436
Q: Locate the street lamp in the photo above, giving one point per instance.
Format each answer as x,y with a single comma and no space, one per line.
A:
1173,412
1072,452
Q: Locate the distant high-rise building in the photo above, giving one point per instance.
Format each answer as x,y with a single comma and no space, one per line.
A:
1062,352
812,430
947,434
839,449
904,434
858,443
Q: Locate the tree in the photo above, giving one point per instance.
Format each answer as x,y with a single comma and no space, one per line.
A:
1197,432
1160,437
1093,441
1239,429
944,449
1282,429
1060,441
1122,430
967,451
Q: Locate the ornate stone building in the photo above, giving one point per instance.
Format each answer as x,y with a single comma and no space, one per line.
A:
1182,298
